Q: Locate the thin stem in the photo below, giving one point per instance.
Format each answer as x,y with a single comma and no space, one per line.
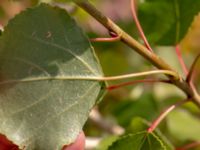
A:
164,114
140,74
184,68
111,39
113,87
181,61
189,146
141,32
192,68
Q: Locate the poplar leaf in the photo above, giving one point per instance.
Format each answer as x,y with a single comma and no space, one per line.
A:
46,63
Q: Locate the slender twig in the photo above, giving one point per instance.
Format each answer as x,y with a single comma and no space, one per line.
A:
164,114
181,61
139,48
189,146
192,68
113,87
140,30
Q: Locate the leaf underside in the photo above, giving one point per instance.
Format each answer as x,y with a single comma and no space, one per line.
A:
45,42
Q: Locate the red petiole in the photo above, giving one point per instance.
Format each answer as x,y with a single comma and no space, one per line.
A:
113,87
158,120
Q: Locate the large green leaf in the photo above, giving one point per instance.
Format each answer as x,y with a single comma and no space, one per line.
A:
165,22
46,63
139,141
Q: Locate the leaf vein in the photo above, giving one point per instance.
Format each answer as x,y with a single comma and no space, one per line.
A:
66,50
67,109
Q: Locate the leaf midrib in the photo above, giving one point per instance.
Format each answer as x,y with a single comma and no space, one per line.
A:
63,78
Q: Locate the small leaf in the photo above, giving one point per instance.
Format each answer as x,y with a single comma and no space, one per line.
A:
137,138
45,65
139,124
139,141
166,22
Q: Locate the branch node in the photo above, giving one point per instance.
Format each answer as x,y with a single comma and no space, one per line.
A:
192,68
114,38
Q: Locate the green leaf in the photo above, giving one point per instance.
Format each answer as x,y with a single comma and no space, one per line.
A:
145,107
117,59
106,142
136,133
166,22
139,124
46,63
139,141
183,125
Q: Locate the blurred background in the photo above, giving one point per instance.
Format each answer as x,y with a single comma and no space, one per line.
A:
121,107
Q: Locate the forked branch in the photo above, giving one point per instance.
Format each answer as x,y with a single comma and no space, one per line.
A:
139,48
191,71
127,39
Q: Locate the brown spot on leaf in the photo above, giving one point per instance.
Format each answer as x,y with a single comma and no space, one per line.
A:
48,34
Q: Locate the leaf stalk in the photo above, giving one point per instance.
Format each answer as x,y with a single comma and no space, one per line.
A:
164,114
141,32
